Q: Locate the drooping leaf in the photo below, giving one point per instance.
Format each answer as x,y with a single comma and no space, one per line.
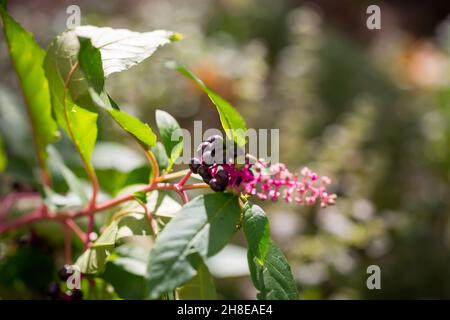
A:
168,130
65,78
71,179
201,228
121,49
200,287
27,57
90,60
232,121
134,126
274,279
257,233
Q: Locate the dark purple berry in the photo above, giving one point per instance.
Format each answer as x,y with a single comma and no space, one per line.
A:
195,165
76,294
204,173
222,177
63,274
217,186
54,291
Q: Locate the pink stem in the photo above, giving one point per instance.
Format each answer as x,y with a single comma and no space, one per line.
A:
42,213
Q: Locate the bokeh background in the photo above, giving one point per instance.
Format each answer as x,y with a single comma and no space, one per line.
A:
369,108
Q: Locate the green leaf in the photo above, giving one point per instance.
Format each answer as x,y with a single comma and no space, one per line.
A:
126,271
134,126
257,233
65,78
274,279
90,60
232,121
121,49
93,260
202,227
3,158
168,127
71,179
131,225
161,156
201,287
27,57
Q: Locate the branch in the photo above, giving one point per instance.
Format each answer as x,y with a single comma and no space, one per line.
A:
43,214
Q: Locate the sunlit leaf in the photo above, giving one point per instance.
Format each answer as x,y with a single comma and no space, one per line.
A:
134,126
61,68
201,228
232,121
27,57
168,130
274,279
121,49
256,229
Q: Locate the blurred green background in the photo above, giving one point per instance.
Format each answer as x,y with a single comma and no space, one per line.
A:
369,108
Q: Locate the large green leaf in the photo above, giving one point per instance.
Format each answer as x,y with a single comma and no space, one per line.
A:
27,57
201,228
256,229
90,61
65,78
121,49
201,287
274,279
168,127
232,121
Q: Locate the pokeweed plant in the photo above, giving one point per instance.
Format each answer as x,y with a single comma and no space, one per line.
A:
158,244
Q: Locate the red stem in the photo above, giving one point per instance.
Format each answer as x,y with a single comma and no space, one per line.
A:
42,213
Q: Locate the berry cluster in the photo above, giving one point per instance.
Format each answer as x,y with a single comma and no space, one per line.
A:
218,167
214,156
55,292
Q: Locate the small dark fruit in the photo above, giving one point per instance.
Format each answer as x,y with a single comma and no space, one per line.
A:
76,294
63,274
54,291
217,185
204,173
195,165
222,177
